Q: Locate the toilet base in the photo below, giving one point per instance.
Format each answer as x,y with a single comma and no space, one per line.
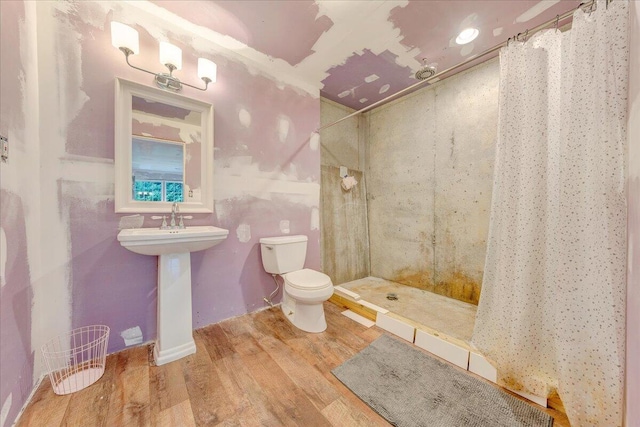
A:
308,317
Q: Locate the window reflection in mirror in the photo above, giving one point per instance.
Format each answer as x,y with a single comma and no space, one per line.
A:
157,170
166,152
163,151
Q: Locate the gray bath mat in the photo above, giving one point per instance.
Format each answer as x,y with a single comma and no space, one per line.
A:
409,388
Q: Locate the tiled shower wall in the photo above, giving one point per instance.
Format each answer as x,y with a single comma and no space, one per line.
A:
429,179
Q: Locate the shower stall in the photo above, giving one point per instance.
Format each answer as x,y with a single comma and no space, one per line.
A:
420,213
544,233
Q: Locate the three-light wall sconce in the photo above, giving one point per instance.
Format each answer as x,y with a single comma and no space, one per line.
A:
125,38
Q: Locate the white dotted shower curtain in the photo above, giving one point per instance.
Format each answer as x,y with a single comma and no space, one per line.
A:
552,307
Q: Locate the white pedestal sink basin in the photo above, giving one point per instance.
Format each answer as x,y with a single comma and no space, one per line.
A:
175,337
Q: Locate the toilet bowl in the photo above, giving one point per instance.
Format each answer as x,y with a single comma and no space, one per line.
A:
305,290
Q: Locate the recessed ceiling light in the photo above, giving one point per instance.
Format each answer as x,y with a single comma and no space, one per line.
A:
467,36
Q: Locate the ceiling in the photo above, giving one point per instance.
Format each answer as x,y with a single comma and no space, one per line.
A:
358,52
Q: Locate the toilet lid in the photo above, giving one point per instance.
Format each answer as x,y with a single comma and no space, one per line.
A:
307,279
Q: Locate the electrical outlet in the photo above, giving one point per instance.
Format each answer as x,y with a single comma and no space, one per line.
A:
4,148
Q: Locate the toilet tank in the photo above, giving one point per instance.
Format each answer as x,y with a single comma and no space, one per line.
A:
283,254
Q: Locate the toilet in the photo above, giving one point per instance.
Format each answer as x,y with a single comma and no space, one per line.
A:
304,289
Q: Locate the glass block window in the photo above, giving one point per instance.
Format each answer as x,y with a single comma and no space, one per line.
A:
148,191
173,191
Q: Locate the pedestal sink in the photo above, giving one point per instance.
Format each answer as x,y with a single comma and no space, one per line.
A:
173,247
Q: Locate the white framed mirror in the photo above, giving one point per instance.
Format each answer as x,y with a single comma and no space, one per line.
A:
163,151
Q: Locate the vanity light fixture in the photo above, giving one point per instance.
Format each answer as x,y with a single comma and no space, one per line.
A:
467,36
125,38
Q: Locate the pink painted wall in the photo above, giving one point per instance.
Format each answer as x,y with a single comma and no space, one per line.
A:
16,354
114,286
108,284
633,274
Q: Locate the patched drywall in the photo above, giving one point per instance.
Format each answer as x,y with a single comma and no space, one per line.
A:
338,45
430,175
331,45
64,267
19,204
260,24
16,298
265,171
392,38
357,89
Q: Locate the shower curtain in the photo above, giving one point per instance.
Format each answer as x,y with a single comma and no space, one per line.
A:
552,307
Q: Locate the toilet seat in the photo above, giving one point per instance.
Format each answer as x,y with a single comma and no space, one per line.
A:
307,279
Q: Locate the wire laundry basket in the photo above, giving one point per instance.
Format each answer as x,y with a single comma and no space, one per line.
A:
76,359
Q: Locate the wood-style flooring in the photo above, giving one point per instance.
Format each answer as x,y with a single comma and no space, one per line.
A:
254,370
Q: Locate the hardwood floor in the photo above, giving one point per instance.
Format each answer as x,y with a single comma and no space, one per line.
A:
254,370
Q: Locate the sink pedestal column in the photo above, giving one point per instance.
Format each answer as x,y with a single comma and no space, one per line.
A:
175,335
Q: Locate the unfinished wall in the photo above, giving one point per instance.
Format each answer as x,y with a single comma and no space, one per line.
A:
341,144
19,197
430,175
345,242
633,222
61,265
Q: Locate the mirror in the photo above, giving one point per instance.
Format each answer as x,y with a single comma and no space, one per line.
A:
163,151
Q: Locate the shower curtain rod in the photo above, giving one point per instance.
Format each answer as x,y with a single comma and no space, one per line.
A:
527,33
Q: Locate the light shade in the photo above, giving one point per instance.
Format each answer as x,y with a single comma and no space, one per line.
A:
467,36
170,54
124,36
207,69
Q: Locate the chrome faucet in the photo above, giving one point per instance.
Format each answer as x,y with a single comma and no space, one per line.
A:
175,209
175,223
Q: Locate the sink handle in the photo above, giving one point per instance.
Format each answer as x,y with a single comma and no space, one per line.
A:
164,217
164,221
183,217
